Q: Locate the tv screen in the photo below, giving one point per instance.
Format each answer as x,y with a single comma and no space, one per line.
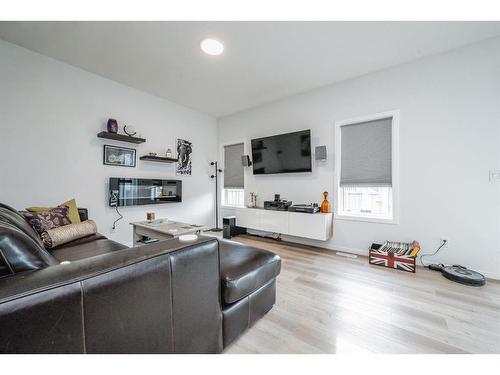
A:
284,153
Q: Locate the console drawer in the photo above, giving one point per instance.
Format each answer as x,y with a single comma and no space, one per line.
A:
315,226
247,218
274,221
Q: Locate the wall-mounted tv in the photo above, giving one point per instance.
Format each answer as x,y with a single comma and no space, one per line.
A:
284,153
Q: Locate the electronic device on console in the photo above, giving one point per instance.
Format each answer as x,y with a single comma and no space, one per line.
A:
278,204
306,208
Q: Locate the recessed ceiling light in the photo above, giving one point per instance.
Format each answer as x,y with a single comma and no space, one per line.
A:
212,47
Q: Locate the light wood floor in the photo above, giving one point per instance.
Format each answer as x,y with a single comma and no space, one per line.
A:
331,304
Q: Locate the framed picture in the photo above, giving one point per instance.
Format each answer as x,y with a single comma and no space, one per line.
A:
184,151
119,156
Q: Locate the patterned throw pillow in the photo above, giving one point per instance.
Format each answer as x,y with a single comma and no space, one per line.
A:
67,233
61,235
73,210
50,219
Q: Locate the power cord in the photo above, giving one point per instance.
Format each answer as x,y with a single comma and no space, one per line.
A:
117,220
431,255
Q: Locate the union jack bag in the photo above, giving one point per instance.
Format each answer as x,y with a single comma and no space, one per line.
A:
392,260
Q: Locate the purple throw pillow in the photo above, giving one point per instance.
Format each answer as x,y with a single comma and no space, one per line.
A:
50,219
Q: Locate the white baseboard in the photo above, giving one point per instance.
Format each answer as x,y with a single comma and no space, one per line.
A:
488,275
350,250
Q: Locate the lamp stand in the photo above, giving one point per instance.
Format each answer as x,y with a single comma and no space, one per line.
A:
215,175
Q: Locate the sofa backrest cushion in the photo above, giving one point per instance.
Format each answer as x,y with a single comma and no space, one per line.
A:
20,253
16,219
21,248
9,208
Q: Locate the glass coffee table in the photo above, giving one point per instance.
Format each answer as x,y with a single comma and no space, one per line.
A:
145,232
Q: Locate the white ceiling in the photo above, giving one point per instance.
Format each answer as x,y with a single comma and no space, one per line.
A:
262,62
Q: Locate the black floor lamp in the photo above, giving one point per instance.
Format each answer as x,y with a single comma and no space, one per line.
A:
215,175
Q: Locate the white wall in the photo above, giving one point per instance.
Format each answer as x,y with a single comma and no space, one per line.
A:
50,113
449,140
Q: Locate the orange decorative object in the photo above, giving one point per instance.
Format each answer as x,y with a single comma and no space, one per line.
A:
325,205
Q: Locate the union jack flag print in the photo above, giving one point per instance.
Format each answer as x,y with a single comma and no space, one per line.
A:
392,260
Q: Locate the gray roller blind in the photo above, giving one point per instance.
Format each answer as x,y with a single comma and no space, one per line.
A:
366,153
233,167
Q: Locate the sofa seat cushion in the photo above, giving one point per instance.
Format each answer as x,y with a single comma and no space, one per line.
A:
86,247
244,269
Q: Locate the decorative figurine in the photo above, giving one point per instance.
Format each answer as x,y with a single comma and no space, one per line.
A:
112,125
253,201
325,205
129,130
169,153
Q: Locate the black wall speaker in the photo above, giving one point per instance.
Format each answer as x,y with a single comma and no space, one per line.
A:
320,153
245,161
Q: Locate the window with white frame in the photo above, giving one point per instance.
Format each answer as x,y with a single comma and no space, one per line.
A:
366,168
233,192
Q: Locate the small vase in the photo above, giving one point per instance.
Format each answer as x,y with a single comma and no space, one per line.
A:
112,126
325,205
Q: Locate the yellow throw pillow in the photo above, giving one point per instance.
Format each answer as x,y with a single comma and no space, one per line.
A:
72,212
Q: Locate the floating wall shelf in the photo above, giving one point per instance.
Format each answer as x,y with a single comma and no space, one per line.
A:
121,137
159,159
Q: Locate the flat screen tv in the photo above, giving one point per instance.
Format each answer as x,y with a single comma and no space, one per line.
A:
284,153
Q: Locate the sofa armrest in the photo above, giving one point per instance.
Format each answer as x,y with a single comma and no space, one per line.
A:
155,298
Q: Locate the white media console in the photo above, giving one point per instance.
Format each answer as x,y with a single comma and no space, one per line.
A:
318,226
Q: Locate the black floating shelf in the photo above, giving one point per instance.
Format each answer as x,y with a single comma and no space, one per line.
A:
120,137
159,159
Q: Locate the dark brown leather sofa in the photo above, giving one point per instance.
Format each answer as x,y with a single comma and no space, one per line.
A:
166,297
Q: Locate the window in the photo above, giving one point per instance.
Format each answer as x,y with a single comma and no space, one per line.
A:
366,168
233,192
233,197
362,201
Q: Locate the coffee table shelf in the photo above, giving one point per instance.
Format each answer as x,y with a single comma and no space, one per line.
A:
162,229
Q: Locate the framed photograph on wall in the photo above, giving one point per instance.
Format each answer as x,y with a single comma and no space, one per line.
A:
119,156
